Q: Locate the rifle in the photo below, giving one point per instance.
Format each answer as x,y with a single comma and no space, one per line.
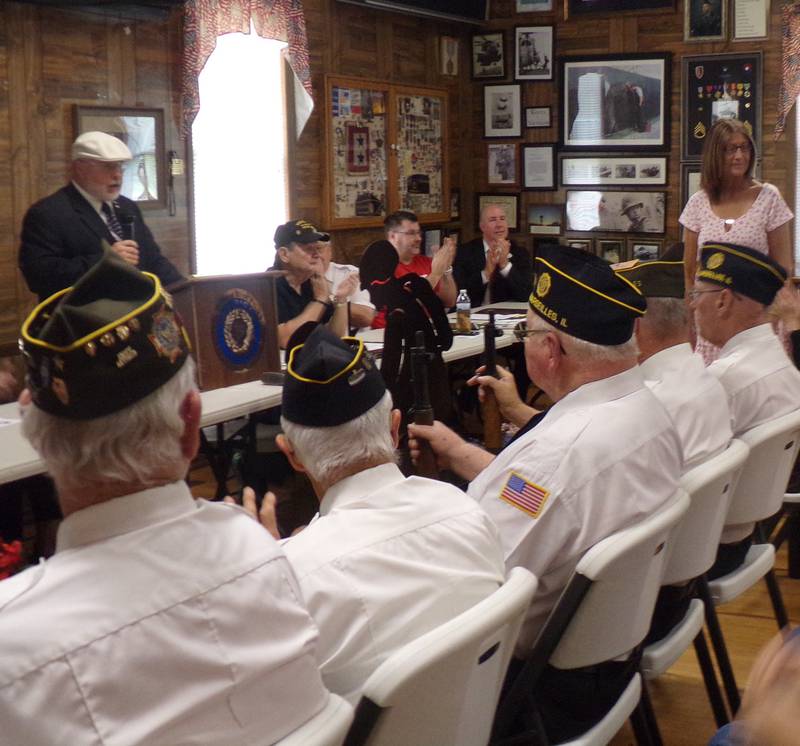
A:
492,436
421,411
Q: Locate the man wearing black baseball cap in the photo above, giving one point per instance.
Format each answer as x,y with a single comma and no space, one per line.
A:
159,617
303,294
733,286
603,457
388,558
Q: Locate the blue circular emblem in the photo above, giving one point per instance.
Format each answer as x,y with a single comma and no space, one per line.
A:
238,328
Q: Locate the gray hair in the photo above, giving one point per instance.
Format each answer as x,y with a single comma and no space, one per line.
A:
328,453
589,352
667,315
136,445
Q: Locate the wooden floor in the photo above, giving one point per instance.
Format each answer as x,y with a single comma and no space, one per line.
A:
679,697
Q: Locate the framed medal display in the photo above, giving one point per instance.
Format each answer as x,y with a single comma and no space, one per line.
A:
719,86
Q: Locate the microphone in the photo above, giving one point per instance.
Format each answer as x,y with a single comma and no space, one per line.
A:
126,221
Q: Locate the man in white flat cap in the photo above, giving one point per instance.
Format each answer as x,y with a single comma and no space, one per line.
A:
62,234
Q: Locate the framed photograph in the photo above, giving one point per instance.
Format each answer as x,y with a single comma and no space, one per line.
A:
538,167
448,55
582,7
533,53
534,6
690,182
750,19
488,56
615,102
509,202
585,244
591,170
611,249
501,110
615,212
546,220
503,166
537,116
144,178
639,249
455,203
705,20
719,86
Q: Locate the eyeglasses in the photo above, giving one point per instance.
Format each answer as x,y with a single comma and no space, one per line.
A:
694,293
733,149
416,234
310,248
521,331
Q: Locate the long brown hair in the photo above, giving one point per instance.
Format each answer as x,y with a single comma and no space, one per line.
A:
713,169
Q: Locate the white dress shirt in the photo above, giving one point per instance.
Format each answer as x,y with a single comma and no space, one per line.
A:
485,277
388,559
604,457
693,398
159,620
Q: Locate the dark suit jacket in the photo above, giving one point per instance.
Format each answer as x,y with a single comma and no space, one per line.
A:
470,262
61,239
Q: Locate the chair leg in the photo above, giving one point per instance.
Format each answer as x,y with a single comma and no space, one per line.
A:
641,729
710,679
720,650
777,599
792,527
650,716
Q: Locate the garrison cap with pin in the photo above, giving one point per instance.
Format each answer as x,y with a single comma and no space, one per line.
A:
330,381
579,294
741,269
98,146
654,279
298,231
103,344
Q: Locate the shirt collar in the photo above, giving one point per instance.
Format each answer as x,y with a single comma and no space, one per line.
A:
753,334
606,389
665,359
122,515
354,487
96,203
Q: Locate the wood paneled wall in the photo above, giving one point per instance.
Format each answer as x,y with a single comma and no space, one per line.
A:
50,59
656,31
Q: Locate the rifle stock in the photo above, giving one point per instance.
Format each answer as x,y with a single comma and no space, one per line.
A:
422,412
492,421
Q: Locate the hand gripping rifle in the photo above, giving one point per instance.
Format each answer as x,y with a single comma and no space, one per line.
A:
492,436
421,412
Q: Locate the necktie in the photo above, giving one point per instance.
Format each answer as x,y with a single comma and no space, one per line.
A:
112,221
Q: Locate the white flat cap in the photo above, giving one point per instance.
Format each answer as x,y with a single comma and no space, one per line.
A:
98,146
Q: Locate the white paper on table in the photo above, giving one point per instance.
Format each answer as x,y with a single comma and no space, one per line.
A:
4,422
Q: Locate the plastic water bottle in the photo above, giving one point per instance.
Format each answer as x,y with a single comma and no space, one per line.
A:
463,312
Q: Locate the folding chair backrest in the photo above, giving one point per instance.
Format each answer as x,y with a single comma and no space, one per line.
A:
624,571
710,486
443,687
327,728
773,449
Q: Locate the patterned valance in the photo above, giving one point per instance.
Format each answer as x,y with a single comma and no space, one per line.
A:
790,72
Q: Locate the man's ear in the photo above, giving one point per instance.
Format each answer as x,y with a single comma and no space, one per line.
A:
394,423
287,450
190,410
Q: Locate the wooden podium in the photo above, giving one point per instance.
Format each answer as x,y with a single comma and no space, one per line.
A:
232,324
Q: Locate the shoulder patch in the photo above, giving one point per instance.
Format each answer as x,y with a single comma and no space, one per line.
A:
526,496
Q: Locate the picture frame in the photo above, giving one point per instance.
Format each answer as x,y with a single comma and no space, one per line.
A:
619,170
534,6
533,52
611,249
538,116
644,248
455,203
510,202
448,55
502,110
717,86
545,219
615,211
585,244
502,164
144,178
632,89
585,7
538,167
690,182
705,20
488,55
750,20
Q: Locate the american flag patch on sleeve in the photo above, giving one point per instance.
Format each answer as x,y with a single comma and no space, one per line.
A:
524,495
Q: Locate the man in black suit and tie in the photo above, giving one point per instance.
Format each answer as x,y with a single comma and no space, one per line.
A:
62,234
491,268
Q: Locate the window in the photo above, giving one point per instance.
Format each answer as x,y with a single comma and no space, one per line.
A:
240,162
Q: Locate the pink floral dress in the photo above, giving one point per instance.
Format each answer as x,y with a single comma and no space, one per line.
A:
768,212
